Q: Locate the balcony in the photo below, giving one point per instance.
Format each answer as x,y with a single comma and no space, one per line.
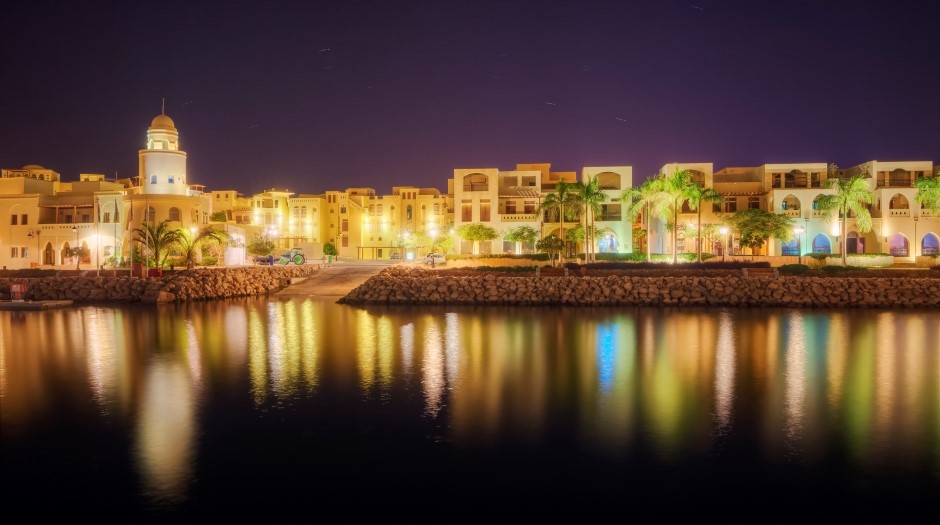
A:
792,213
903,212
519,217
818,214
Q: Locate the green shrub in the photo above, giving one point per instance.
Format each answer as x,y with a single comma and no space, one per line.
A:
793,269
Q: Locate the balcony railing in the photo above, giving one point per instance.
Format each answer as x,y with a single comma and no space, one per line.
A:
792,213
519,217
903,212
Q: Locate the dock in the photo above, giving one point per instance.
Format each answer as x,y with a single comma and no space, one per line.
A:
33,305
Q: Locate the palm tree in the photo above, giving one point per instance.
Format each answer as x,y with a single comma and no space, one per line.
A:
190,244
158,239
851,195
697,196
589,196
560,202
670,193
639,199
928,193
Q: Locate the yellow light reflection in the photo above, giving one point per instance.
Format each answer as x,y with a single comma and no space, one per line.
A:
165,431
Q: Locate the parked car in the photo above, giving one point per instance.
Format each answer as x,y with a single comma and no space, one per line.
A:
435,258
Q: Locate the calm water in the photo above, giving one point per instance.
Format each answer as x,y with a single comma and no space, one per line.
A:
270,408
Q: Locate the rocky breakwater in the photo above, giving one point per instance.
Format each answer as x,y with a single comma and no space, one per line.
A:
418,286
179,286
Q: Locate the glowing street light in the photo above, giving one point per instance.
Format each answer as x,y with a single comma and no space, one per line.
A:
433,234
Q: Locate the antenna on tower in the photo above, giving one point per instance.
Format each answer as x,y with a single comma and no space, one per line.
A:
162,106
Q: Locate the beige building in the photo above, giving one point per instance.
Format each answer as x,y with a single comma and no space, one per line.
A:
47,218
507,199
899,226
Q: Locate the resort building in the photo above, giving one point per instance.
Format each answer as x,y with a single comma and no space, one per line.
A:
92,221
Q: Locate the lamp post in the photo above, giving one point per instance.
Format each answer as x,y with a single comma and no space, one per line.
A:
35,233
77,250
724,242
433,234
97,251
799,243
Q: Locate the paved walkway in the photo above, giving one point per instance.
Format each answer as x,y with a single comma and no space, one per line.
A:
336,280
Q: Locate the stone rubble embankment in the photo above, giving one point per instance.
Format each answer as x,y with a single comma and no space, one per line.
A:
398,285
179,286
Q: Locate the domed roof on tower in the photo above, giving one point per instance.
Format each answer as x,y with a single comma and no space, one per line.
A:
162,122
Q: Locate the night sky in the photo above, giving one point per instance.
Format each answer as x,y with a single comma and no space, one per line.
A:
313,96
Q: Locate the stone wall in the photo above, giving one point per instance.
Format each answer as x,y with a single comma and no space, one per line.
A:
179,286
398,285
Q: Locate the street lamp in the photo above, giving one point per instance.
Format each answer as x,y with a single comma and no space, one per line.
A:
30,234
724,242
433,234
799,243
77,250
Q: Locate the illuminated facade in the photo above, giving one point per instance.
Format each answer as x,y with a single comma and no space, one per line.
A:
47,218
900,227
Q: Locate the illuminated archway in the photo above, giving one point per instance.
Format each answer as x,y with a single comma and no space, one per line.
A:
930,244
822,244
898,245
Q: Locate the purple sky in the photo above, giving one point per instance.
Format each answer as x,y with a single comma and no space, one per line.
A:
312,96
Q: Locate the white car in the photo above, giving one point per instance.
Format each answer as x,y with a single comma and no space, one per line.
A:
435,258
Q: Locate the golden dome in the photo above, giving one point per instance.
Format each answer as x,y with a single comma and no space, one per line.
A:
163,122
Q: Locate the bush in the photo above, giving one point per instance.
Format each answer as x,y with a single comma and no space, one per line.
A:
793,269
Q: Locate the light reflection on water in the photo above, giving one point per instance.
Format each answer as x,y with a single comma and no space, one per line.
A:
609,384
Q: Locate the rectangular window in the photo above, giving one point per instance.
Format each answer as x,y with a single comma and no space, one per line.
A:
731,204
510,206
13,219
484,212
466,212
345,242
25,252
344,227
14,251
529,207
753,203
107,217
24,219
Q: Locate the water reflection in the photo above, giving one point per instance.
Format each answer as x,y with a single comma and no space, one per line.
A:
616,384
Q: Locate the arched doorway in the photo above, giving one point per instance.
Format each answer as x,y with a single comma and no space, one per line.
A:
898,245
854,243
48,254
930,244
66,254
608,243
822,244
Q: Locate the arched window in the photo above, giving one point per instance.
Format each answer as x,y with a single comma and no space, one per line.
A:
153,179
930,245
408,213
897,245
174,214
822,244
151,215
609,181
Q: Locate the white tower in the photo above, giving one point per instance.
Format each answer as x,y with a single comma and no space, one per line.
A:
162,166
